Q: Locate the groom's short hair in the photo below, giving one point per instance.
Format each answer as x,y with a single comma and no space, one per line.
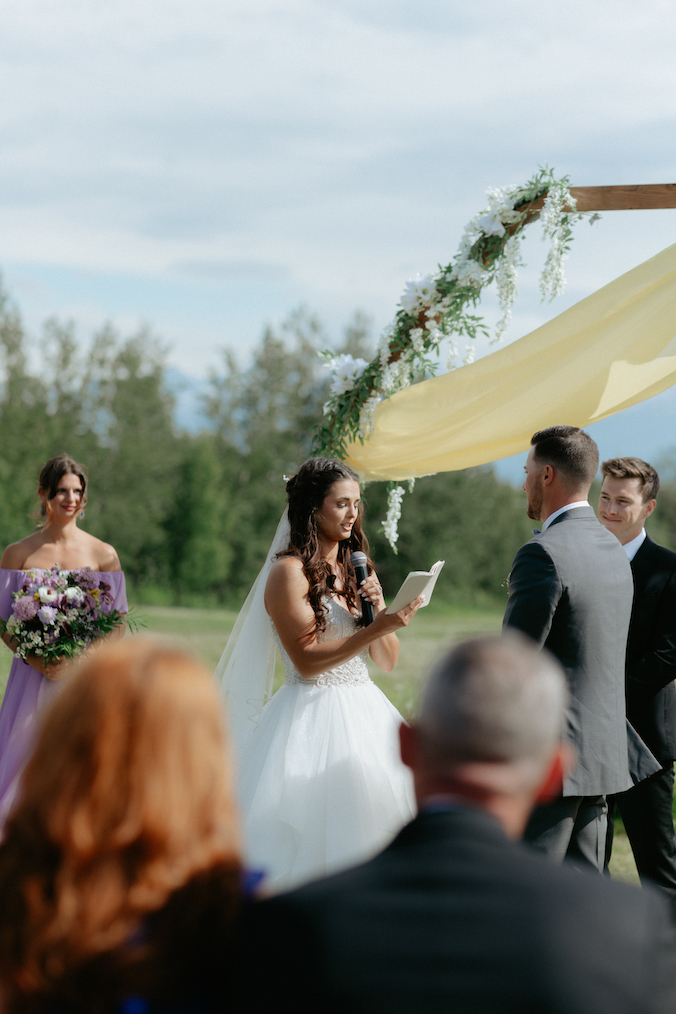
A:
497,700
569,450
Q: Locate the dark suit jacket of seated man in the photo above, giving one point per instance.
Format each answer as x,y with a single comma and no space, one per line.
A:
571,591
456,915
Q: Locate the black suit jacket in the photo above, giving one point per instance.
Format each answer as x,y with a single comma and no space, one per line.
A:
651,650
454,917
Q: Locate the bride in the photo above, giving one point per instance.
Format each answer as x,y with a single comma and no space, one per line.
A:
321,782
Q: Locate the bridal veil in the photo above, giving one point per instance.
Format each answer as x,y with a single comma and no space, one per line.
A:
247,666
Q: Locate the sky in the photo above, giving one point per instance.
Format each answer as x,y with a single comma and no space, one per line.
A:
208,166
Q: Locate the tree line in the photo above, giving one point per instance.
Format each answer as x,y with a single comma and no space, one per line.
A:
192,514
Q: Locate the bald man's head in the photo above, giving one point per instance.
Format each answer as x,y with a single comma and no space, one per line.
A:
494,700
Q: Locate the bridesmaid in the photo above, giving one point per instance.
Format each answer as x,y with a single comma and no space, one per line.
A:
62,488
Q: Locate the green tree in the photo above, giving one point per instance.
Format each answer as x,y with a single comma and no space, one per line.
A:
198,525
24,429
108,407
136,461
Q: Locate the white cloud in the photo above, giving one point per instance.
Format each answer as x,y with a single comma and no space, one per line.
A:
333,148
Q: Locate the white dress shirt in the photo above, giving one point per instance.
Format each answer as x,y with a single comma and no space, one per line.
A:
561,510
632,548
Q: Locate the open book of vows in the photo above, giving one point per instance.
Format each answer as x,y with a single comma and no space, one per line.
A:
418,582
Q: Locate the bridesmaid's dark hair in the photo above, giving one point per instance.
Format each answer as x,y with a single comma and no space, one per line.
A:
306,493
53,472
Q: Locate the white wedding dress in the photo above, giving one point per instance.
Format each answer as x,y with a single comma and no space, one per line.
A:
322,785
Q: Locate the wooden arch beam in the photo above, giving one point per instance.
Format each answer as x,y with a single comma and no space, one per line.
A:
625,198
622,198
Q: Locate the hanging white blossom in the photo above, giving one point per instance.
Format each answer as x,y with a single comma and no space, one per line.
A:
506,277
391,522
367,414
556,228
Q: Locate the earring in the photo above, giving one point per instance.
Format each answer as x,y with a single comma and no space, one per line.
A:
82,514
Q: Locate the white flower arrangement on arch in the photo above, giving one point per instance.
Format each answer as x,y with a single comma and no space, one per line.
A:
434,308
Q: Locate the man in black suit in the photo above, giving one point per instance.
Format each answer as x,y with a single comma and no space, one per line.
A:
628,497
571,590
456,915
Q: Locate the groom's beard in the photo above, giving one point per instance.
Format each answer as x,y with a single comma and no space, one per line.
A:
534,506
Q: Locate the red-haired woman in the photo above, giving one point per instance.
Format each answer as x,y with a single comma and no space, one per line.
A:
120,868
62,489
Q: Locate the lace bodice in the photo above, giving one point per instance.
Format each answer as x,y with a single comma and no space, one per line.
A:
339,623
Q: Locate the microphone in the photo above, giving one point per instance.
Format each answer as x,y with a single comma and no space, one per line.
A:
358,561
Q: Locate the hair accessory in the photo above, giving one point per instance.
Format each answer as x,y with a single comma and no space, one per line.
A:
286,478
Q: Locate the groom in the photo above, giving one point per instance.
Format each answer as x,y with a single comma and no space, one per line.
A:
571,591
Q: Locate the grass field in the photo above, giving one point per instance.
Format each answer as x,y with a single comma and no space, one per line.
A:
205,631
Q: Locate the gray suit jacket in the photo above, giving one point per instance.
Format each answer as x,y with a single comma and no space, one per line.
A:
571,590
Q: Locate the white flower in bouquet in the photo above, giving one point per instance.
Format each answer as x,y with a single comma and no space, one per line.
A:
346,372
420,290
47,595
74,595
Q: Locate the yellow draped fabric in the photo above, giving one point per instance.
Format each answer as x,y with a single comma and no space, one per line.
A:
609,351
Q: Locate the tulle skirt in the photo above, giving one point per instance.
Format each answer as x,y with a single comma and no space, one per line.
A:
322,784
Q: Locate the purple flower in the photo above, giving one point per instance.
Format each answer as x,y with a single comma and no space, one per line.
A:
47,615
25,608
86,578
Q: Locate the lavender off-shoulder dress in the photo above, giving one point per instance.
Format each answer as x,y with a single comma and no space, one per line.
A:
27,693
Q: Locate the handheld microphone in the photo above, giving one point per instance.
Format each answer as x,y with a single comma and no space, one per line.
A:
358,561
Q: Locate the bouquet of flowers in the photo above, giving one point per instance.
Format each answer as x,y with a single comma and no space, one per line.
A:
58,613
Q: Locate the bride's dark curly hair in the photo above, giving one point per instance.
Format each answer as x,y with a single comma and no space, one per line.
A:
306,493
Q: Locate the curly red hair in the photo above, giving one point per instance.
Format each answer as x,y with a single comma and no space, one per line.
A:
121,862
